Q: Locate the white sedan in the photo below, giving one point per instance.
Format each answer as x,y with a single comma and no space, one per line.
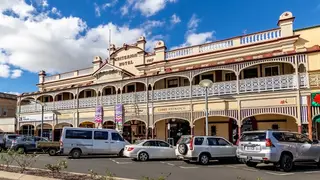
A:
150,149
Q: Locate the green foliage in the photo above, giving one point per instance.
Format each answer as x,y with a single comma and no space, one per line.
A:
56,168
94,176
23,160
159,178
7,158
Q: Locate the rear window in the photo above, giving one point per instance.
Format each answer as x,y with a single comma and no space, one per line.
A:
184,140
12,136
253,137
78,134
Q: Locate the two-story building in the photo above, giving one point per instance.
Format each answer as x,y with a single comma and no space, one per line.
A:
260,81
8,105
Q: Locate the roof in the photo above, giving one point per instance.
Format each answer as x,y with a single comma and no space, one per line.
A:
8,96
309,27
107,67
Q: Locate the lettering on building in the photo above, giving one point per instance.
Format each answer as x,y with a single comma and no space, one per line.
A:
126,57
126,63
150,60
168,109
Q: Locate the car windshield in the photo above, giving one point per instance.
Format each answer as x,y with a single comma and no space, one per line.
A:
184,140
258,136
11,137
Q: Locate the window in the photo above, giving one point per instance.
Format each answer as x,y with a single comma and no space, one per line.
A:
230,77
59,97
275,126
101,135
4,112
223,142
130,88
107,91
78,134
253,137
172,83
250,73
271,71
303,139
212,141
88,94
150,143
116,137
163,144
213,130
207,76
198,141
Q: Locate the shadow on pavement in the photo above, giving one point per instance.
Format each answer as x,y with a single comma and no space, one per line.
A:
297,168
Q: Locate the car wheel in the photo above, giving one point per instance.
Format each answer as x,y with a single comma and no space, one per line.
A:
251,164
143,156
204,159
75,154
121,153
52,152
318,163
21,150
286,163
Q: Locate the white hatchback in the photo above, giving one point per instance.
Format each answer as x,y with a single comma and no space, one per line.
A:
150,149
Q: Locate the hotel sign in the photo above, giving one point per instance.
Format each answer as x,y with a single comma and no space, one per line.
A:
37,117
126,57
171,109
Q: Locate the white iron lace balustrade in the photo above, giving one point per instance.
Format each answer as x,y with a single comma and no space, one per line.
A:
303,80
27,108
272,83
220,88
171,93
48,106
134,97
65,104
87,102
109,100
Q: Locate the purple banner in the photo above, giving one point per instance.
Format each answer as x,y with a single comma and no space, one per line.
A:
99,115
118,116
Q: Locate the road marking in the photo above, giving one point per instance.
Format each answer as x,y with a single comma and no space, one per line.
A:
280,174
215,166
311,172
235,167
190,167
123,162
170,164
253,170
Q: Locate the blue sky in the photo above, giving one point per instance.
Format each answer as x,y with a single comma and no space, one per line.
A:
62,35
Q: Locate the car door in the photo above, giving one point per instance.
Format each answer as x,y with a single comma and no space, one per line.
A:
166,150
30,143
117,142
152,148
101,142
226,148
213,147
306,149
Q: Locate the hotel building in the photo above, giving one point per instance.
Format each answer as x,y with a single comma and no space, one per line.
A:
262,80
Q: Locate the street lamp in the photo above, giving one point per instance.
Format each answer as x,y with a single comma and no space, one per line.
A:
206,83
42,114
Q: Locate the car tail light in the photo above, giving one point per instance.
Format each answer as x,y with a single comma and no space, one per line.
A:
130,149
191,143
268,143
14,141
61,143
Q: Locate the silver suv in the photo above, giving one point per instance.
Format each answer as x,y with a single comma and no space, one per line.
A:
205,148
282,148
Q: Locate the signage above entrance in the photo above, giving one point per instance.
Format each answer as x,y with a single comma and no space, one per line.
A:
126,57
37,117
171,109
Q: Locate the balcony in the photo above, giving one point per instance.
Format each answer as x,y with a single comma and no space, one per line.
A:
263,84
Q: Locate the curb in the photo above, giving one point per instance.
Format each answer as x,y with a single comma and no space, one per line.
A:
18,176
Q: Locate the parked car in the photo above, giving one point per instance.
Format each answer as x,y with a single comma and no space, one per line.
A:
282,148
2,145
27,144
76,142
52,148
202,149
8,138
150,149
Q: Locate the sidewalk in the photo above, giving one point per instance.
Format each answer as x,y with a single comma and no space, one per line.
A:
16,176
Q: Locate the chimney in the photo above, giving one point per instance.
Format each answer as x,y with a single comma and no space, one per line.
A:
42,75
141,43
97,62
286,24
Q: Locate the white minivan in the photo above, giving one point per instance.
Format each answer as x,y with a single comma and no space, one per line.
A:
76,142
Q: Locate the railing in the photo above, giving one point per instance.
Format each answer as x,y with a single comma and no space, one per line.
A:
85,71
314,80
219,45
264,36
67,75
263,84
50,78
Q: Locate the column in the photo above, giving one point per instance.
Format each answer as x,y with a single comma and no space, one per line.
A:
309,117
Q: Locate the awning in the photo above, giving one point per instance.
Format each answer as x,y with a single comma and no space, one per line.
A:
317,119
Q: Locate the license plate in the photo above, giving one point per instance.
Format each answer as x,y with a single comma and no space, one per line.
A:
252,148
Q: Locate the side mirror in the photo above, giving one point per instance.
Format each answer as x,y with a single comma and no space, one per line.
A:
315,141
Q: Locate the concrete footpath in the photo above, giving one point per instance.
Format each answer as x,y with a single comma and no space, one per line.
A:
18,176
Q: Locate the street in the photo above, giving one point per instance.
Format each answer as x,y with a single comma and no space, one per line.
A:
177,170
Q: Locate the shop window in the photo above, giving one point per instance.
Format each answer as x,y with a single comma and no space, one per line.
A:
130,88
230,77
207,76
218,76
59,97
275,126
271,71
107,91
172,83
88,93
250,73
197,80
4,112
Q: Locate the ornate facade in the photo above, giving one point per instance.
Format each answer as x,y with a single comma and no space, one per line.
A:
261,81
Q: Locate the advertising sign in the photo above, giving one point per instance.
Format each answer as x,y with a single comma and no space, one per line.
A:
98,118
37,117
315,99
119,117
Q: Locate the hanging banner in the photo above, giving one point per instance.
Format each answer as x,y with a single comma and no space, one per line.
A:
315,99
98,118
119,117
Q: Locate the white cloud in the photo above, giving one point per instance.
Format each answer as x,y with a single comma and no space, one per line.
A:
19,7
55,45
152,24
16,73
4,71
146,7
55,11
110,4
14,93
175,19
97,10
193,22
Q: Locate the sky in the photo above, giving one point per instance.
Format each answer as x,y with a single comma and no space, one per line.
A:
63,35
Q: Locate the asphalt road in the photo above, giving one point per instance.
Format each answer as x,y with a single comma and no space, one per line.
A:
178,170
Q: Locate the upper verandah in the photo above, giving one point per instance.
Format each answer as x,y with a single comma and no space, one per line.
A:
284,30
